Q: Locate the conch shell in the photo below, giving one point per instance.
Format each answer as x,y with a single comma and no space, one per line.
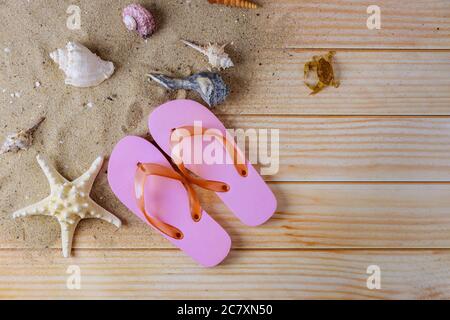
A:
21,140
236,3
82,67
216,54
210,86
137,18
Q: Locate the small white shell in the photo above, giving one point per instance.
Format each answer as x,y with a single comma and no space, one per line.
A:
216,54
21,140
82,67
16,142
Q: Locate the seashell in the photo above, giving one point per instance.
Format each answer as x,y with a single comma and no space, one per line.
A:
137,18
210,86
216,54
21,140
82,67
236,3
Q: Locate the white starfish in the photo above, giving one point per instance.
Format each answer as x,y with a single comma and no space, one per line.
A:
69,202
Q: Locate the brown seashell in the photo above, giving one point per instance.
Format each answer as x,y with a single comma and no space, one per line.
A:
236,3
21,140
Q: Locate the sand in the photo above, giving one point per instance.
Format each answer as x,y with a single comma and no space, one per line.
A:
82,124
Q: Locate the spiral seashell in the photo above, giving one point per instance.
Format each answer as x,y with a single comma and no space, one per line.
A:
236,3
82,67
137,18
216,54
209,85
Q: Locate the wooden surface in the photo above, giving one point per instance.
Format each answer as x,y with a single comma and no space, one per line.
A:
257,274
373,82
364,176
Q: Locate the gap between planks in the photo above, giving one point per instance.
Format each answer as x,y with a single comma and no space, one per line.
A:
337,49
337,116
255,249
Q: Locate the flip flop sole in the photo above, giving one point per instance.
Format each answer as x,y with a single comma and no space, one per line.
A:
249,197
205,241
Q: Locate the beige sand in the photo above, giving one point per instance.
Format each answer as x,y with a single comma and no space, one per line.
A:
74,134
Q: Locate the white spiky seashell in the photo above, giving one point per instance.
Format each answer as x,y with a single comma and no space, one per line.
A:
82,67
216,54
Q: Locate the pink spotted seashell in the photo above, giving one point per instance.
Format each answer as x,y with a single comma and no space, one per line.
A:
137,18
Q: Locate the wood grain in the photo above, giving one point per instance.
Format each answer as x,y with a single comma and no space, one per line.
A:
414,24
317,215
357,148
324,148
372,83
340,208
159,274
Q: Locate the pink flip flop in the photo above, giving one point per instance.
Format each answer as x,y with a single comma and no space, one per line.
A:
245,192
145,182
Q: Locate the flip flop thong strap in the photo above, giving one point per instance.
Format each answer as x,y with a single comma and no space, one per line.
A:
229,145
150,169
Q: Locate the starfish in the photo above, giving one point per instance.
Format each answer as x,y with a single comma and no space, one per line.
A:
69,202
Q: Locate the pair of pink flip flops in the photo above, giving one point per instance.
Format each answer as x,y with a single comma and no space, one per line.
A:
144,180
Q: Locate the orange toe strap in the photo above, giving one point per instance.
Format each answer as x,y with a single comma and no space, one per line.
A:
148,169
180,133
211,185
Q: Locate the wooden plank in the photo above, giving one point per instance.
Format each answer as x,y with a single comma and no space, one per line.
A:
319,215
372,83
343,24
310,149
357,148
168,274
